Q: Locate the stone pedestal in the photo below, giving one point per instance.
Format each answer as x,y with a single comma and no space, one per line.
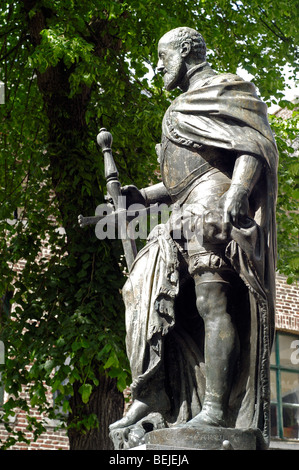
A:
210,438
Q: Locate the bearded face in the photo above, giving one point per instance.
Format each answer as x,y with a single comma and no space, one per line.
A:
171,64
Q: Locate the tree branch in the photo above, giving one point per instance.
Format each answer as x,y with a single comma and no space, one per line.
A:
281,35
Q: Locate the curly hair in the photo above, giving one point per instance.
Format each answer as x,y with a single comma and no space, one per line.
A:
181,34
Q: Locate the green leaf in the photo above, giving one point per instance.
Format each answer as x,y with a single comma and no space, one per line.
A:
49,365
85,391
112,361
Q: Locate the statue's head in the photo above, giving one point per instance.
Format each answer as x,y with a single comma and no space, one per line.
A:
178,50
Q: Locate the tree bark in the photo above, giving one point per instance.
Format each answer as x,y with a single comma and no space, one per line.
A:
107,404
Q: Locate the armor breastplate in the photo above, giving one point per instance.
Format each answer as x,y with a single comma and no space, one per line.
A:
182,166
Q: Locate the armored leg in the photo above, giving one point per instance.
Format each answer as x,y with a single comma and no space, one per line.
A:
221,347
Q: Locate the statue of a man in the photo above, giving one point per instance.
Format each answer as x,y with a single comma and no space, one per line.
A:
200,308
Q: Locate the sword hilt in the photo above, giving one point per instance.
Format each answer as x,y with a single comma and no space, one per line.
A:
104,140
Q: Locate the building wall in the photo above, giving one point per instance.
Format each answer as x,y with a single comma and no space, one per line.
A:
287,319
50,440
287,306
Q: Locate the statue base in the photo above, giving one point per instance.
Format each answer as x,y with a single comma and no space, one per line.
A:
209,438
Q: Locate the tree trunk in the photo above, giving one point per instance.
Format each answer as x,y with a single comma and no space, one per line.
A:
66,136
107,404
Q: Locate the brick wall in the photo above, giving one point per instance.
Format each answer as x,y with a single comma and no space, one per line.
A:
50,440
287,306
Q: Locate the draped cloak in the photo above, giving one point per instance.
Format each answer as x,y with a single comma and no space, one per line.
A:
164,334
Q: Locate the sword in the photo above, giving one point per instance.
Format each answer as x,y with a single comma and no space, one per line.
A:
104,140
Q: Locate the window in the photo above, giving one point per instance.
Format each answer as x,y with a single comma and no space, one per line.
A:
285,386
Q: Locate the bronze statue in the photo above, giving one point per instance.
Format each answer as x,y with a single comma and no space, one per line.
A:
200,302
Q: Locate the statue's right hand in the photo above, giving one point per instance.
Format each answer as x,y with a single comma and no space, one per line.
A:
133,195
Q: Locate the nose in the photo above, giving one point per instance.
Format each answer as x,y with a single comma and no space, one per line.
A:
160,67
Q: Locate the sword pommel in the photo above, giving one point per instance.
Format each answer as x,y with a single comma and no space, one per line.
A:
105,139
